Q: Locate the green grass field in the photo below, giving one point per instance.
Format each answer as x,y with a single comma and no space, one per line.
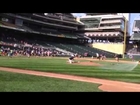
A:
13,82
59,65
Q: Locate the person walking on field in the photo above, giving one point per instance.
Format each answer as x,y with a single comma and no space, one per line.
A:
117,57
97,56
131,57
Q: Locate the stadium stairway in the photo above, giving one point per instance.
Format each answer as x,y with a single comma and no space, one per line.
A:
81,49
85,50
74,48
64,47
50,44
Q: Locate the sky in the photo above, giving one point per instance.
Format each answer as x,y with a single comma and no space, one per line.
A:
132,17
79,14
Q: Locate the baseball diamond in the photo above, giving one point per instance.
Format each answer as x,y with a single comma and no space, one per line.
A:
56,52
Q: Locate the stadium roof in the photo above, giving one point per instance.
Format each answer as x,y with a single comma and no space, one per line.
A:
99,13
103,16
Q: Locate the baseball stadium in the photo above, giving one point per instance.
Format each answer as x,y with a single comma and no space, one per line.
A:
58,52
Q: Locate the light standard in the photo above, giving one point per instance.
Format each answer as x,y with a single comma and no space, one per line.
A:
124,37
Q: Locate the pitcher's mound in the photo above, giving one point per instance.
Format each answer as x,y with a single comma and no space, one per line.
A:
90,63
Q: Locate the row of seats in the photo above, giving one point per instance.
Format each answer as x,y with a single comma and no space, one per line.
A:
74,48
81,49
62,46
56,33
93,51
64,34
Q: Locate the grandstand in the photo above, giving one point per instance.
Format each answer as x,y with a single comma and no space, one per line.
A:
106,31
42,31
59,33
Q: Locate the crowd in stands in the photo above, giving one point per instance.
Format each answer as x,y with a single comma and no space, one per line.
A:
14,44
27,51
133,49
10,46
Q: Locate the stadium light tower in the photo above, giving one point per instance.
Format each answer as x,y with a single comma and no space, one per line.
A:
124,40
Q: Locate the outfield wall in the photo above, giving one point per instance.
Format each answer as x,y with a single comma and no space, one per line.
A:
110,47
